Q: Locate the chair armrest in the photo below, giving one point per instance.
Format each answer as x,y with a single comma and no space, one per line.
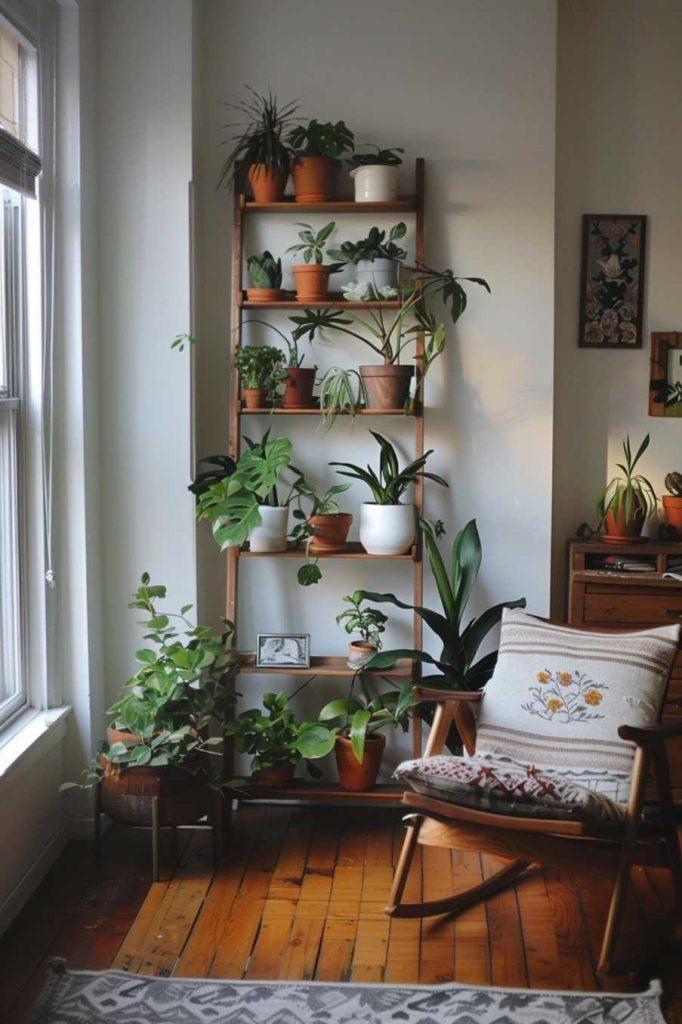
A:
424,693
645,735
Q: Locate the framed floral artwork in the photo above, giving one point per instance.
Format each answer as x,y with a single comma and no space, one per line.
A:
612,280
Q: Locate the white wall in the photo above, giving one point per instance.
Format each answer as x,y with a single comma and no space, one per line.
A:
619,149
469,86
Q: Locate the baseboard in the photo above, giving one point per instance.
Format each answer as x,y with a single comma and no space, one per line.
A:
32,877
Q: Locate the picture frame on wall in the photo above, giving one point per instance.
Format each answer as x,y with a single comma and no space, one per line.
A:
612,280
283,650
665,376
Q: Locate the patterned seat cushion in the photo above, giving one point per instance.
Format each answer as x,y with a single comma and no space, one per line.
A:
508,787
558,695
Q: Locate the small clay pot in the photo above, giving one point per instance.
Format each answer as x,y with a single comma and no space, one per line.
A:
264,294
619,529
267,183
387,386
329,532
298,388
359,653
672,512
315,178
254,398
279,776
352,774
312,281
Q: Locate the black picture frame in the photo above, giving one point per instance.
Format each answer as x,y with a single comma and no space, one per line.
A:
615,241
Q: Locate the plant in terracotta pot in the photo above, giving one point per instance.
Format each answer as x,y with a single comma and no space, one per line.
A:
253,502
375,174
324,526
360,740
375,259
370,623
298,380
672,502
277,743
157,743
387,526
317,148
260,153
259,369
626,502
312,276
265,277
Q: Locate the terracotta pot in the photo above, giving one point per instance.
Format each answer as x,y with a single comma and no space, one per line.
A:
315,178
298,388
264,294
329,532
386,386
279,776
619,529
352,774
312,281
267,183
254,398
359,653
672,512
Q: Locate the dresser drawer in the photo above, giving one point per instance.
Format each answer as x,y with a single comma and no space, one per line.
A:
610,607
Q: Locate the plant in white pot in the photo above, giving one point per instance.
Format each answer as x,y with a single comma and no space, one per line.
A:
248,504
375,258
375,174
387,526
370,623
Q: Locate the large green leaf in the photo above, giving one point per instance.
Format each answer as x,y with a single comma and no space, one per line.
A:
358,733
466,561
386,659
478,629
314,740
258,471
438,623
239,518
340,706
445,589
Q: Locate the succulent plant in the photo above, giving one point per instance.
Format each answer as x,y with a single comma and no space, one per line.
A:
673,484
264,270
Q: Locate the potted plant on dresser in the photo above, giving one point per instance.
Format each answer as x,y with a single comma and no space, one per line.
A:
317,148
672,502
312,276
375,259
387,526
261,154
259,371
370,623
626,502
375,174
265,277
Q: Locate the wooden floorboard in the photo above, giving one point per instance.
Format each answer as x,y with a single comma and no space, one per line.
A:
300,894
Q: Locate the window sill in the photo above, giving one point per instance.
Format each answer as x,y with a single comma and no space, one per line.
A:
34,733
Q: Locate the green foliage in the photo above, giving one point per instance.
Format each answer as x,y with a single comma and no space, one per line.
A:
260,139
294,358
631,493
222,467
320,505
387,157
313,245
673,484
391,482
370,623
180,340
264,270
374,247
321,139
259,367
361,715
341,391
276,736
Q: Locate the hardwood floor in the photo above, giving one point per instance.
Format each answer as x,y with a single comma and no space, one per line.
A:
300,894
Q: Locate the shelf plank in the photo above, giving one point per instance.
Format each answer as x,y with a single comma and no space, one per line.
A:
336,667
316,412
344,204
335,300
353,550
328,793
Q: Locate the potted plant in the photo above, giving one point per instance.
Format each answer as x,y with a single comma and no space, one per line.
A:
341,391
157,743
375,258
387,527
259,368
360,741
672,502
317,148
312,276
265,276
248,503
370,623
325,527
375,174
626,502
277,742
260,154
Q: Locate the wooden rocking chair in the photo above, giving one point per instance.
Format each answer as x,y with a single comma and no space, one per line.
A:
611,848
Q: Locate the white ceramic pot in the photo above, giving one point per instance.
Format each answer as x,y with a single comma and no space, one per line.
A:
271,535
377,272
387,529
375,183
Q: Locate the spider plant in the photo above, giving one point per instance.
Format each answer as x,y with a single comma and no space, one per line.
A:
341,391
630,499
262,127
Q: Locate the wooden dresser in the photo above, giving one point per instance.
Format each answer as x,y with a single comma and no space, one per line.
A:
626,597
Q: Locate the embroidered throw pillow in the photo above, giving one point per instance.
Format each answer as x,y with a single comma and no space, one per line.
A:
558,695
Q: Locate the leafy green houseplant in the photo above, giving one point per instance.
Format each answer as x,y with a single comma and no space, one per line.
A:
259,369
626,502
260,151
387,527
375,258
375,174
277,742
265,277
299,380
370,623
672,502
312,276
341,391
317,147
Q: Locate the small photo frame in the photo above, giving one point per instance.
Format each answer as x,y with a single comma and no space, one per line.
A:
283,650
665,378
612,281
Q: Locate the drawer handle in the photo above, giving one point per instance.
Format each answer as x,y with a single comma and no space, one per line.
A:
674,613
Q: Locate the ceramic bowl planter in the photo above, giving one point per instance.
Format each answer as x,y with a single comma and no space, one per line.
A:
387,385
359,653
375,183
280,776
315,178
271,535
312,281
352,774
254,398
330,532
378,273
387,529
267,183
298,388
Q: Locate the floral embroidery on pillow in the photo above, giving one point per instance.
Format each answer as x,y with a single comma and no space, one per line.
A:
565,697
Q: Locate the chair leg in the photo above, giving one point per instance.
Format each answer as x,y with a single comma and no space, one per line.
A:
414,824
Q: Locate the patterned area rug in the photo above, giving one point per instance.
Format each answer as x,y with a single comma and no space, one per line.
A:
84,997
